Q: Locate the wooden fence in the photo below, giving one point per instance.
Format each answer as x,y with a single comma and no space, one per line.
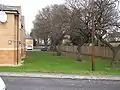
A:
87,50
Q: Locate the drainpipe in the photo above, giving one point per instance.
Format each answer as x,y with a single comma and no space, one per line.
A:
17,39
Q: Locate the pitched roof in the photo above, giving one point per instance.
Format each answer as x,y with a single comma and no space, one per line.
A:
7,7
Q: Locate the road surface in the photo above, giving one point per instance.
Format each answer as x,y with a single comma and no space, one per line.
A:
21,83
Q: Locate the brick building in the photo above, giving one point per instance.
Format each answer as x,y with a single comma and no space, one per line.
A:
12,36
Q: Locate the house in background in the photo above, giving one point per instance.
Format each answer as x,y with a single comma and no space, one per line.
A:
12,36
113,38
29,43
66,40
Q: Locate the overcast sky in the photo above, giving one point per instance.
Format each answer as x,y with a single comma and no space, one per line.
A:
30,8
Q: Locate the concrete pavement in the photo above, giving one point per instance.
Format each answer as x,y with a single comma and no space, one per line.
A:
60,76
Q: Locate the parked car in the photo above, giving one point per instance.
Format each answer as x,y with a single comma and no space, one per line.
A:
44,48
2,84
29,47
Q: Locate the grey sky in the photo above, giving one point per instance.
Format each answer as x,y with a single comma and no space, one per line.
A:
30,8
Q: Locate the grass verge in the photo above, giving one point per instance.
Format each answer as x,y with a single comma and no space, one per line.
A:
46,62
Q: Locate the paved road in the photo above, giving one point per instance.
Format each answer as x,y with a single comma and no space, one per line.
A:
35,50
20,83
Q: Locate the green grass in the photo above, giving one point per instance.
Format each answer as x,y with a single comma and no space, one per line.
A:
50,63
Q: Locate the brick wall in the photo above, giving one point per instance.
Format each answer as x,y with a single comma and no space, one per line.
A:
8,40
8,57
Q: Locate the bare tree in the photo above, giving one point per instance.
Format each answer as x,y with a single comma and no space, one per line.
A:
106,20
105,15
60,25
52,22
79,25
42,24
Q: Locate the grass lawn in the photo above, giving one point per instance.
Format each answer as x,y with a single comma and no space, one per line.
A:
49,63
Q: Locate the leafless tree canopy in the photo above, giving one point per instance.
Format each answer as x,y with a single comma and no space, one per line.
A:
101,15
52,22
79,18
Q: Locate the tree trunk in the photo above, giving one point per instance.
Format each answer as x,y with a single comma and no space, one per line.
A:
59,50
38,41
113,49
53,48
114,58
45,42
79,53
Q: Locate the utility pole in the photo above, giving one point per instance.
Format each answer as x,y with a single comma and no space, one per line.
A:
93,33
